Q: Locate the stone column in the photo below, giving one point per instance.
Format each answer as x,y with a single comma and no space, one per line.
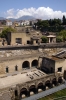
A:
18,90
49,39
39,63
30,65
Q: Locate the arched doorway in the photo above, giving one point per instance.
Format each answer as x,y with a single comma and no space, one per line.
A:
34,63
23,93
47,84
60,80
26,64
32,89
40,87
54,82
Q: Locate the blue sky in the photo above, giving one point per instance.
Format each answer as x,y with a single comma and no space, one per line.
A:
14,5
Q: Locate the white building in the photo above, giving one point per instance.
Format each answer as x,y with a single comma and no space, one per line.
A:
8,23
25,22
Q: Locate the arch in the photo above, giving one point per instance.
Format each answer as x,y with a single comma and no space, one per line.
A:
23,92
54,81
34,63
60,80
32,89
47,84
40,86
26,64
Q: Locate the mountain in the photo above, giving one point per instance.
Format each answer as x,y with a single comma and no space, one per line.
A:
22,18
26,18
2,18
12,19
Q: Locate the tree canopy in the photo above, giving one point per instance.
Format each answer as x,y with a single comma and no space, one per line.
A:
6,31
44,39
63,34
64,20
54,25
59,39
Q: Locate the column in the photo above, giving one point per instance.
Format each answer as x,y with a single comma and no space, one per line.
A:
49,39
30,65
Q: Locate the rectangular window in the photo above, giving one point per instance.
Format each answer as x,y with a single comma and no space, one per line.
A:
60,69
7,70
16,68
19,40
28,42
36,41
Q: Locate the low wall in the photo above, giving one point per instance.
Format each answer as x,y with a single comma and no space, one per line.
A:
34,47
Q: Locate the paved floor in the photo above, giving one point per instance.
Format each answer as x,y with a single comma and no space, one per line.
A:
26,76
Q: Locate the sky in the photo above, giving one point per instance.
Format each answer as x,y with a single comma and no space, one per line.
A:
44,9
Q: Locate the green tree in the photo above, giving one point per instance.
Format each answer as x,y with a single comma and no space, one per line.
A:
64,20
44,39
6,31
59,39
42,24
63,34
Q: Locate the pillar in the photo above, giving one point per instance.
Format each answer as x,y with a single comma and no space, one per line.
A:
39,63
30,65
49,40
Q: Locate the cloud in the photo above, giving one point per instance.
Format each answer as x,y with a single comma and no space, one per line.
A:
41,12
10,13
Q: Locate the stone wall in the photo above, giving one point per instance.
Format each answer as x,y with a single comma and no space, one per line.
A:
23,36
48,64
9,92
11,58
5,95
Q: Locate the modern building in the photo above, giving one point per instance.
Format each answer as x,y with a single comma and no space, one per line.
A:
8,23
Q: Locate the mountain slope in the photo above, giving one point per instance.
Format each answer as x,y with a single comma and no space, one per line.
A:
2,18
22,18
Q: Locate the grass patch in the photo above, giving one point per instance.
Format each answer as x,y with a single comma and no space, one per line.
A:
55,95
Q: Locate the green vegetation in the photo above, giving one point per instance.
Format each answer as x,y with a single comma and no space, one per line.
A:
55,95
6,31
44,39
59,39
63,34
52,25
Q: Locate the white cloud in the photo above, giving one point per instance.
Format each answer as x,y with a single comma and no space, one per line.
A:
10,13
41,12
